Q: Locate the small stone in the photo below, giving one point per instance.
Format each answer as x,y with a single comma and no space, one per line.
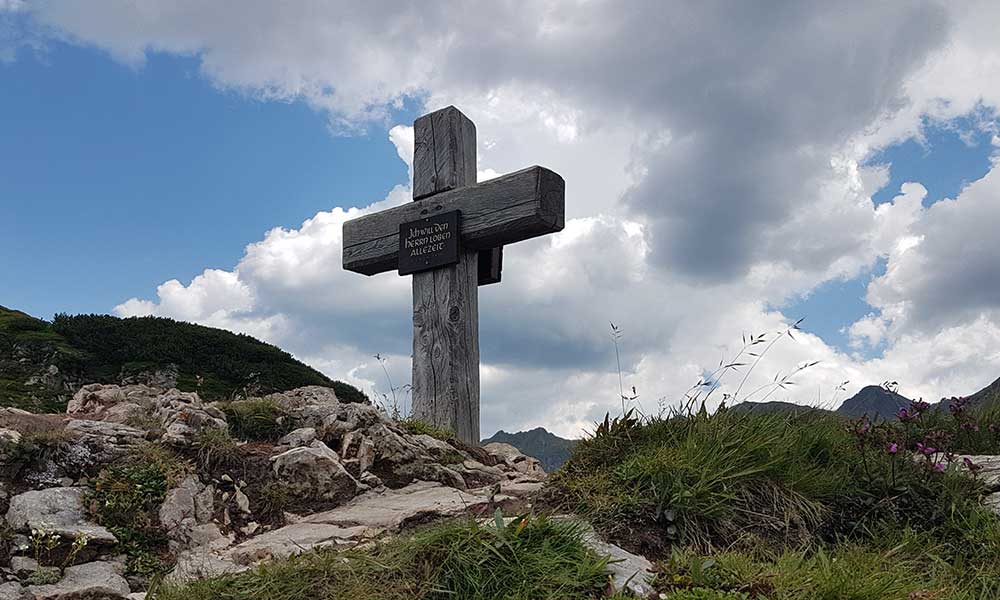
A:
250,528
227,478
22,566
200,563
302,436
242,502
629,572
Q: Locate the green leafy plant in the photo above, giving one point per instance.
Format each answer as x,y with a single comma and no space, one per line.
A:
126,496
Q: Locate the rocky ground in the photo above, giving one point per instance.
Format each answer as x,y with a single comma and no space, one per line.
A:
136,482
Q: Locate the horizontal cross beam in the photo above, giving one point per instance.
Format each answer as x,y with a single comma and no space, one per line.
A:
508,209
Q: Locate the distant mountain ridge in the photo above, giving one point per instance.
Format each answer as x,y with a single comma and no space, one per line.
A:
874,400
988,396
870,400
548,448
772,407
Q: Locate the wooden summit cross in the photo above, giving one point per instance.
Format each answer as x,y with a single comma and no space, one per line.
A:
450,238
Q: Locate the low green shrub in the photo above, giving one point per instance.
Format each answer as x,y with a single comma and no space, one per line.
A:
348,393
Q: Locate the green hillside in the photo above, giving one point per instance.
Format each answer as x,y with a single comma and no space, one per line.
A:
41,362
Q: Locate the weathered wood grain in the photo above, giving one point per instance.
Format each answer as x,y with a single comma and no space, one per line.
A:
508,209
445,376
444,152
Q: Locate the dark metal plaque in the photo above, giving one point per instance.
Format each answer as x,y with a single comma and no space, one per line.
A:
429,243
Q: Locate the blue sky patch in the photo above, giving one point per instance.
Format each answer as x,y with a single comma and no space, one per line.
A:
114,179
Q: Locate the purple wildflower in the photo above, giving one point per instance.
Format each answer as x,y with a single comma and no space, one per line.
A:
939,467
892,448
956,406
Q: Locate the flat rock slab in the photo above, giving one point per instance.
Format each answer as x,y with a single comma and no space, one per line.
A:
988,473
294,539
391,509
90,581
362,519
58,510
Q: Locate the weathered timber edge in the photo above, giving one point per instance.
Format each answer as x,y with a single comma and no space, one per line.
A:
505,210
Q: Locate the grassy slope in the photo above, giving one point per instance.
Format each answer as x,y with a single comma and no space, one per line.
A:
36,345
791,507
730,506
98,348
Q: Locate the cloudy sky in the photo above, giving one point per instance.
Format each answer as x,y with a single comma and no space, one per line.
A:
730,168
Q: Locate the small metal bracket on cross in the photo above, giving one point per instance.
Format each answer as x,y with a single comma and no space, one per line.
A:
447,266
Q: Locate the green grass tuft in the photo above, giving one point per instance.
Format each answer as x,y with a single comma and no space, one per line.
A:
528,559
416,427
256,419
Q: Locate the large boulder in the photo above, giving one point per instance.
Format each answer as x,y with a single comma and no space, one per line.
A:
314,472
90,581
58,510
184,416
100,442
515,459
310,395
99,401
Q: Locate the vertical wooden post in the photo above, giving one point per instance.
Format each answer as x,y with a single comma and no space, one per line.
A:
446,300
